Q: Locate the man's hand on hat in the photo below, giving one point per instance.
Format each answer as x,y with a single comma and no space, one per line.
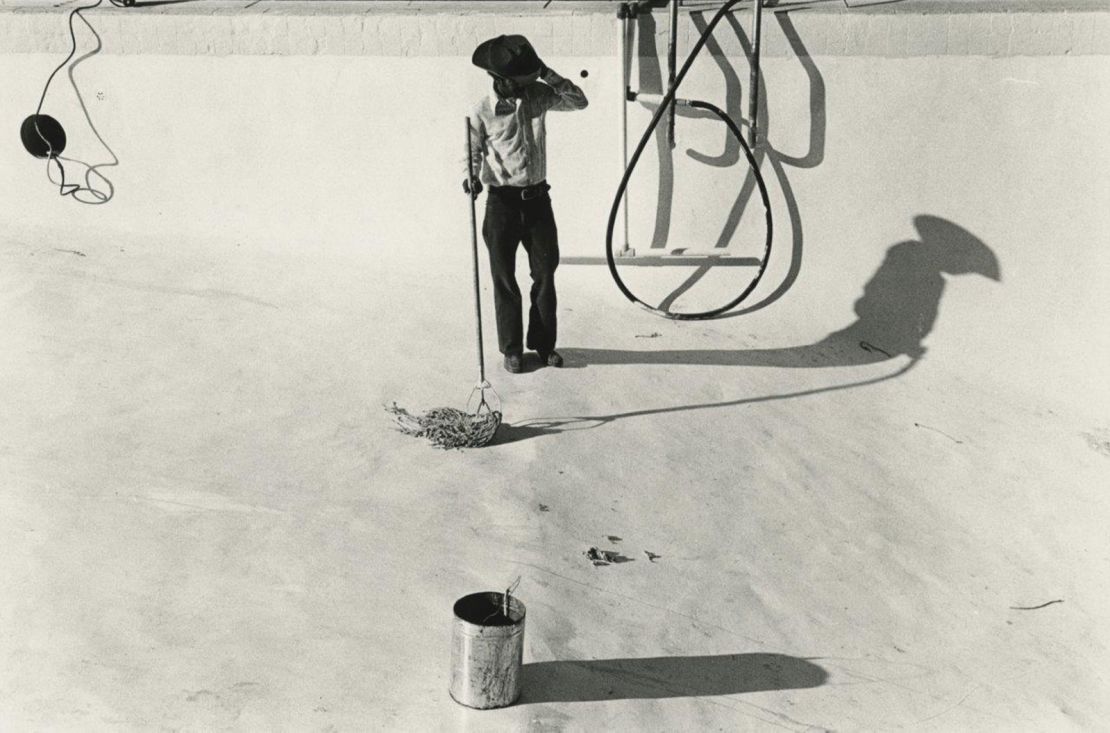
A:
472,186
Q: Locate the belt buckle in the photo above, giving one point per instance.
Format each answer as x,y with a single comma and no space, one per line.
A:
529,192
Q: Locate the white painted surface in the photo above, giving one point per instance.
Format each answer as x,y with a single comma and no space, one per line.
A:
207,522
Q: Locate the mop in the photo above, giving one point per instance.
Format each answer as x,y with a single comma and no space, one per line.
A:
447,427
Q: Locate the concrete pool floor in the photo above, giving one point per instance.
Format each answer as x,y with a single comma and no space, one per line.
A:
208,522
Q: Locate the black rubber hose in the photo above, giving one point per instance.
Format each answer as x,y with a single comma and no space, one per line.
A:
668,100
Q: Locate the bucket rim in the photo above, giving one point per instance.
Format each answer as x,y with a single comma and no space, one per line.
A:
473,608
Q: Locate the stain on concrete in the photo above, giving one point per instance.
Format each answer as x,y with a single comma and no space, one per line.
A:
1099,441
194,696
601,558
185,500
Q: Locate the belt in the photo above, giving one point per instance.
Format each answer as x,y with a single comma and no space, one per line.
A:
523,193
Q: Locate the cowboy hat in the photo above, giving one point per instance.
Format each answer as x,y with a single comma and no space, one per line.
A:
510,57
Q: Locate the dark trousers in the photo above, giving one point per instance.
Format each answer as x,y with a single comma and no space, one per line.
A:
510,221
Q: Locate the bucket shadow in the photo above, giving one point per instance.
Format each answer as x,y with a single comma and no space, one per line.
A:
666,677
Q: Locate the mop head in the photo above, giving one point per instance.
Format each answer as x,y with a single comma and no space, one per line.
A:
447,427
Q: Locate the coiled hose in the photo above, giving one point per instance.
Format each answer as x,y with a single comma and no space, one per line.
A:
669,99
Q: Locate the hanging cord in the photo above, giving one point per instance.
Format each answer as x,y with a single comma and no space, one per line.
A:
667,101
53,156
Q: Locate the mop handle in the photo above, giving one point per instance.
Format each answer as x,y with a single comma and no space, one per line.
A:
474,246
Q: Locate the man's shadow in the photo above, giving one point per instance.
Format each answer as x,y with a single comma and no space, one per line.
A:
896,312
665,677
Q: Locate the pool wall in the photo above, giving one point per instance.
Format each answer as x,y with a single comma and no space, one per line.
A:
334,131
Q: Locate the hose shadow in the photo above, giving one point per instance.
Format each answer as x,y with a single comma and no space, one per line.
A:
651,81
813,157
764,152
665,677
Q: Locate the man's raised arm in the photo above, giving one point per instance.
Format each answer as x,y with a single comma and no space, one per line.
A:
565,95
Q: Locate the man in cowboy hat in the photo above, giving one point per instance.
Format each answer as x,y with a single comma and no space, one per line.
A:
508,144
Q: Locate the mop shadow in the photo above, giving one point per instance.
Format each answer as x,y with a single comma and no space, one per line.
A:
666,677
507,433
539,427
897,310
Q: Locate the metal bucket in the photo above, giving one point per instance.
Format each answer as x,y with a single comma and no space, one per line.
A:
487,650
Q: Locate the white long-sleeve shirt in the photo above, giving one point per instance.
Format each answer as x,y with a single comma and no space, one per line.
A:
508,137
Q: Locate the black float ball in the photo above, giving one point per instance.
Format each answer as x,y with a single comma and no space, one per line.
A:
42,136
